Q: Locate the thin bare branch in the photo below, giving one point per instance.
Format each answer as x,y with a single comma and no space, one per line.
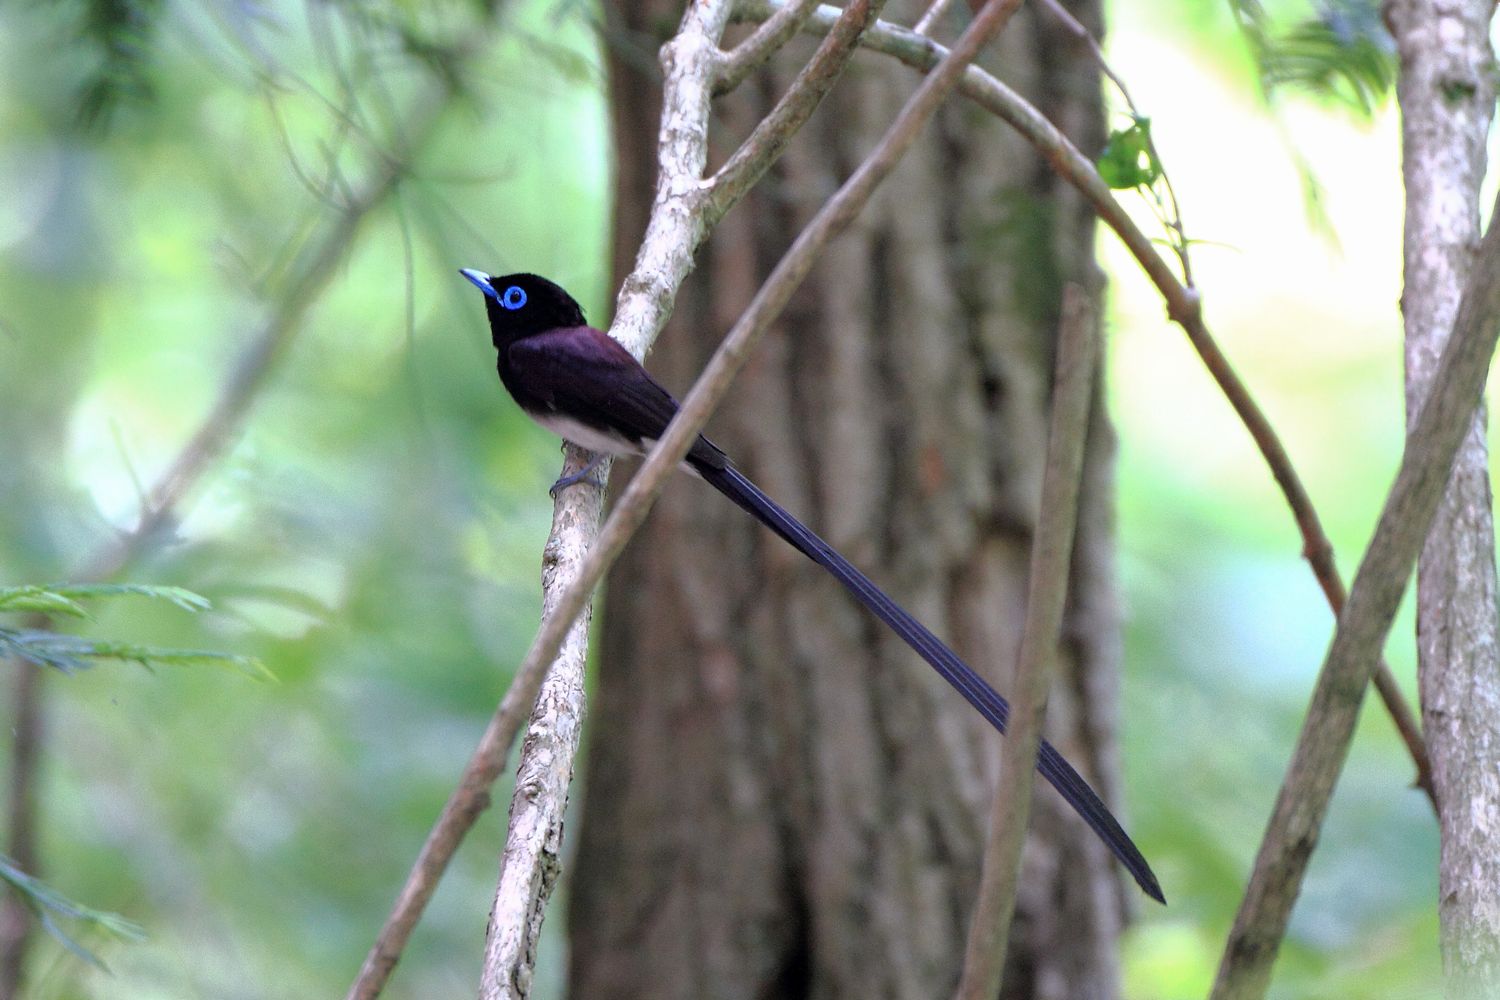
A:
673,233
1183,307
266,349
748,56
1051,556
772,133
1171,213
1082,34
530,862
931,16
1292,834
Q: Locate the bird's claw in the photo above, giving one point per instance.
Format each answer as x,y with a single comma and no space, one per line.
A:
583,475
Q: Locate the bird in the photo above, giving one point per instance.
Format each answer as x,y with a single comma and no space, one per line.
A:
581,384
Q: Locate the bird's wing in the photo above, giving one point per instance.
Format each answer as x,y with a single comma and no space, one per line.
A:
584,374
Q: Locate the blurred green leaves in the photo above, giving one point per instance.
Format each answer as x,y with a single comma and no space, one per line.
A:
372,532
64,598
70,653
1342,53
47,905
119,34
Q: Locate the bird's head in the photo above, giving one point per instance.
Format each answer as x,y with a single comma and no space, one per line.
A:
520,305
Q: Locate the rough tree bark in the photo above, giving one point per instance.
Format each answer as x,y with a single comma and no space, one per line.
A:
1447,94
780,800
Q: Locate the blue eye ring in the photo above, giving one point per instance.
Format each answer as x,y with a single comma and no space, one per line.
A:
513,298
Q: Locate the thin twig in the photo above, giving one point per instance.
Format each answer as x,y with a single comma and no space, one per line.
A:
1292,834
674,231
769,138
1076,28
930,17
1172,217
1183,307
748,56
256,364
1047,593
206,445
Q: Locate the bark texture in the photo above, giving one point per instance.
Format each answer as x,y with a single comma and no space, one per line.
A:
1446,91
781,800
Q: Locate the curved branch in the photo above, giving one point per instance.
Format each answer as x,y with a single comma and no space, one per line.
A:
1292,834
748,56
772,133
1183,307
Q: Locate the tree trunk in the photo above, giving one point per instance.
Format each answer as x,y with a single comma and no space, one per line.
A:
1447,97
781,800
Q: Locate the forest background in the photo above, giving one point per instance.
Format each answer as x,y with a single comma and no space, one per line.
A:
373,535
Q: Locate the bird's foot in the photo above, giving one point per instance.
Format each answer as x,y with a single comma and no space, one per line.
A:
582,475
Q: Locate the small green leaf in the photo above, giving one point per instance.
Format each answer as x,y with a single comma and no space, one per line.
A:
64,598
182,598
39,599
1128,160
71,653
46,903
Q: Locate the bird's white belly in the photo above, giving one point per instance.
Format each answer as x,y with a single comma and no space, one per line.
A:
596,440
585,436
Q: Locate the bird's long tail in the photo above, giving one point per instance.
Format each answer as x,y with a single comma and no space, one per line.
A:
1068,782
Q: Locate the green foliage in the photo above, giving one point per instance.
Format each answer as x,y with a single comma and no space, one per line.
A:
47,905
65,598
70,653
373,532
1129,158
119,35
1130,161
1342,53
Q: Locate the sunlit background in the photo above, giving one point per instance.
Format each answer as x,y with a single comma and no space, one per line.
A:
374,533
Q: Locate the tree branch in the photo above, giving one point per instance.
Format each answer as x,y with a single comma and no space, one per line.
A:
1447,95
530,862
930,17
1047,594
1291,836
266,350
673,233
1183,307
769,139
748,56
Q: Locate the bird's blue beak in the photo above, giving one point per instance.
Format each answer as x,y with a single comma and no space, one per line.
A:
480,279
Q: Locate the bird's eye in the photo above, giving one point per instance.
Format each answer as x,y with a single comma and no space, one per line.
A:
514,297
